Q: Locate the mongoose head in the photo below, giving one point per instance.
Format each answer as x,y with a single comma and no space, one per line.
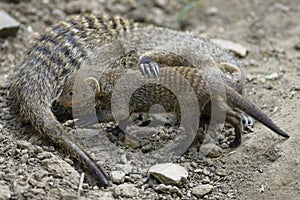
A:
67,96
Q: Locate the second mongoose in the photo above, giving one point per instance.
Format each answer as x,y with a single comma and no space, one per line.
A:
164,90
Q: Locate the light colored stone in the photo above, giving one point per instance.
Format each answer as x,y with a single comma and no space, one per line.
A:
5,192
22,144
126,190
221,172
68,196
212,11
118,176
201,190
210,150
272,76
127,168
168,189
8,25
105,196
169,173
231,46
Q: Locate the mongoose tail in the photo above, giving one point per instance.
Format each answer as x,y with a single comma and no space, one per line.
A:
35,107
237,101
47,123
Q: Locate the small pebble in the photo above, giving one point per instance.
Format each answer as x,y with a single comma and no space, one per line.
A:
221,172
126,168
205,180
272,76
8,25
169,173
168,189
118,177
126,190
232,46
201,190
297,46
5,191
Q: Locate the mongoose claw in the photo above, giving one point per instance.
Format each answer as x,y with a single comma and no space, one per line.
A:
247,121
148,67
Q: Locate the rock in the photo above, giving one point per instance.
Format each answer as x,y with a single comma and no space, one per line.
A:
127,168
8,25
169,173
201,190
123,159
296,88
126,190
221,172
68,196
297,46
22,144
76,7
61,169
131,141
37,191
5,191
272,76
118,176
210,150
231,46
103,195
206,172
198,170
168,189
44,155
282,7
162,3
205,180
212,11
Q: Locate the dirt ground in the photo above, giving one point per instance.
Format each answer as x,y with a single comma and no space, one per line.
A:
265,166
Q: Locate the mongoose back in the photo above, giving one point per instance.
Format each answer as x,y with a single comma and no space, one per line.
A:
207,88
60,50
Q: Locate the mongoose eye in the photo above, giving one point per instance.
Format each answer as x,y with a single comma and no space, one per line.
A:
71,93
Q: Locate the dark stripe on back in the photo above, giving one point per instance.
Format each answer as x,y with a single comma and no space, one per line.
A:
46,37
75,25
114,24
90,21
123,25
100,20
42,49
60,29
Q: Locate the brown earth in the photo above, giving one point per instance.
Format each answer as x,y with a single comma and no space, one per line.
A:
264,167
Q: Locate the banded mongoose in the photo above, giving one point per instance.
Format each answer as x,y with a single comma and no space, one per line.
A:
59,52
205,85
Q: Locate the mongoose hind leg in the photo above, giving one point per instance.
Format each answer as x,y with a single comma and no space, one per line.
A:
235,119
232,117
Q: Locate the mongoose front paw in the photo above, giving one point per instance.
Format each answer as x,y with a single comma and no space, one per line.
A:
148,67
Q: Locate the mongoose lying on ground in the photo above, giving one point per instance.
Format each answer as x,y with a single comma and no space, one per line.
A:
171,84
59,51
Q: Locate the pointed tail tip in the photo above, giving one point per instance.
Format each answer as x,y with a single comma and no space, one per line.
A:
282,133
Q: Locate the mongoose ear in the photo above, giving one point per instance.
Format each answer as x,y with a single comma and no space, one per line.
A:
96,83
231,68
